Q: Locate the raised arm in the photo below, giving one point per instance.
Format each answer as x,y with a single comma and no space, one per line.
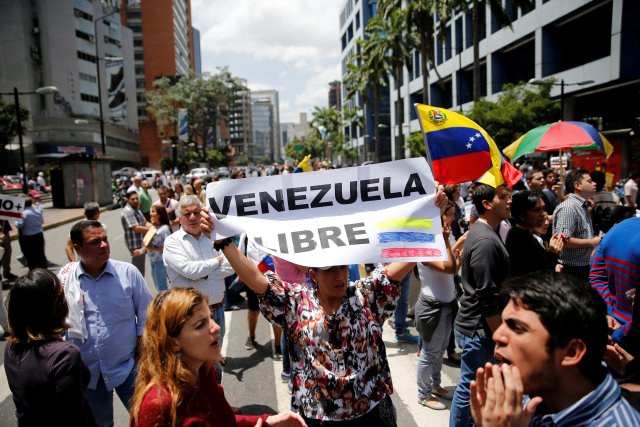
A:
244,268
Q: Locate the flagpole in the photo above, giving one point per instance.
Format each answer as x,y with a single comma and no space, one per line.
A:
424,137
561,175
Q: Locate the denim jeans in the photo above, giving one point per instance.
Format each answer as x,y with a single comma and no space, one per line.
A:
476,351
431,355
218,316
101,400
402,306
159,274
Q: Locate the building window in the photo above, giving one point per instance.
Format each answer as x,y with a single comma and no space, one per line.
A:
86,57
82,14
89,98
138,56
137,42
113,41
85,36
88,78
140,83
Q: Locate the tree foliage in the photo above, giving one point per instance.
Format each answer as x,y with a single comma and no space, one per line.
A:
9,163
415,144
368,70
207,99
298,148
519,108
420,25
394,40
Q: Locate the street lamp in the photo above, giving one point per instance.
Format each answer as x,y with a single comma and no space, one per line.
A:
562,84
40,91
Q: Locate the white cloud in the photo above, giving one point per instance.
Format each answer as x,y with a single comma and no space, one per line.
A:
288,45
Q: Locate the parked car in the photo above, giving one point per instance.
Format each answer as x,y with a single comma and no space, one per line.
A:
125,171
150,174
9,184
199,173
223,171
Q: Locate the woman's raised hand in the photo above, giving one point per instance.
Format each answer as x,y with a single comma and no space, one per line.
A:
284,419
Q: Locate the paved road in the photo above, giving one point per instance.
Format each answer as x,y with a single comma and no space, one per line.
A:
252,378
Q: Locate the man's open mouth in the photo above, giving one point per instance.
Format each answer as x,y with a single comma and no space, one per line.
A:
501,359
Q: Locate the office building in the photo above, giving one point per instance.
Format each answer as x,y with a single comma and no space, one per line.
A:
354,16
197,56
47,43
239,123
335,97
163,46
265,119
593,43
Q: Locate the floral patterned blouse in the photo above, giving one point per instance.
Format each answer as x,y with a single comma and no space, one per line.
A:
339,363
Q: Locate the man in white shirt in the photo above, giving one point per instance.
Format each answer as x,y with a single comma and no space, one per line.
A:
631,190
137,184
192,261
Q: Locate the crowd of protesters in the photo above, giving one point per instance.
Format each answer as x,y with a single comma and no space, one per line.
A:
538,294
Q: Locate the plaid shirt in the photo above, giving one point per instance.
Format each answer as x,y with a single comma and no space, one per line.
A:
130,218
572,219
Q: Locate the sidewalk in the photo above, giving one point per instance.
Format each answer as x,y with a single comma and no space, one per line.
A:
54,217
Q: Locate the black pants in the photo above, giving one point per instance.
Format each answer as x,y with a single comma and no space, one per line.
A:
32,248
6,258
379,416
581,272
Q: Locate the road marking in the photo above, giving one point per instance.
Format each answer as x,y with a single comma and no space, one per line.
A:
283,398
5,391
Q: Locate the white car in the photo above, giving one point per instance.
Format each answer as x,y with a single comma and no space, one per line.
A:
150,174
199,173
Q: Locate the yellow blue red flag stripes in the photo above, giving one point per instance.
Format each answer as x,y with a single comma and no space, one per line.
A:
303,165
461,151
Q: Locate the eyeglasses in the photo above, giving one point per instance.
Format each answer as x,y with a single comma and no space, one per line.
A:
194,213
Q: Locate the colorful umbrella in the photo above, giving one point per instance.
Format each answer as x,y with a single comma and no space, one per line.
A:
559,136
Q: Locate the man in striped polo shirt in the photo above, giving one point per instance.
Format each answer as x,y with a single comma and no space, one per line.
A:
615,274
550,346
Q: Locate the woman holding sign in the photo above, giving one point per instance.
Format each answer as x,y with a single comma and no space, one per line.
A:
339,366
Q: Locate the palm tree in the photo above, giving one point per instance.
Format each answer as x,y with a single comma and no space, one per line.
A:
420,23
367,70
327,122
392,38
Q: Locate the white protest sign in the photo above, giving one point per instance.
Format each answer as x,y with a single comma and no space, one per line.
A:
376,213
11,207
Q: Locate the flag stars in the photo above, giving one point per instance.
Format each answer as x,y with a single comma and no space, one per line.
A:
473,138
469,145
478,135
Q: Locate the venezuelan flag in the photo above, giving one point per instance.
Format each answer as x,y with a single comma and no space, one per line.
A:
303,165
461,151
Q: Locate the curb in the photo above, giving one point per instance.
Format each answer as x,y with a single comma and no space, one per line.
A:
48,226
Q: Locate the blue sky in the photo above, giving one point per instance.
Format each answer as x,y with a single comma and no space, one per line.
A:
292,46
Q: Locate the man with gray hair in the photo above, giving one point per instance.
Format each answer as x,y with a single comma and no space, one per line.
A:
192,261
